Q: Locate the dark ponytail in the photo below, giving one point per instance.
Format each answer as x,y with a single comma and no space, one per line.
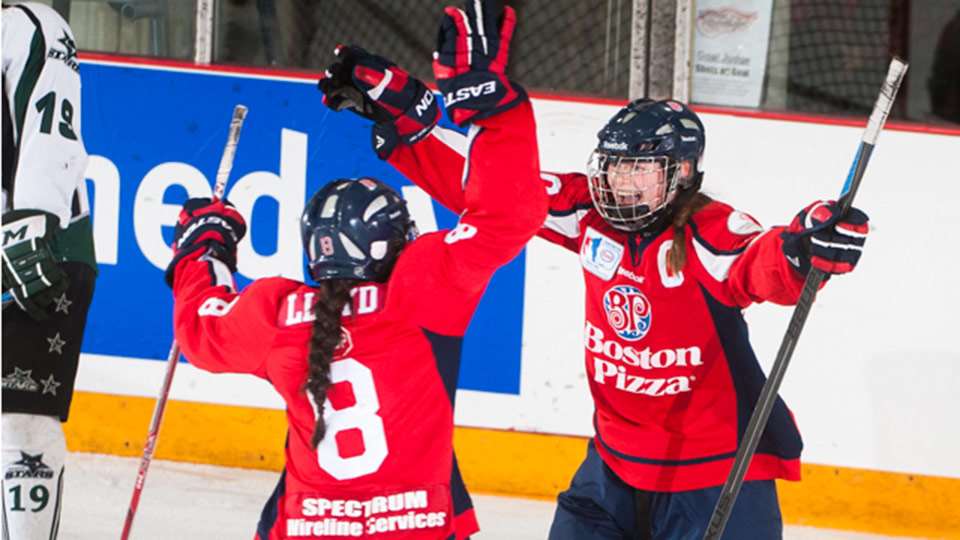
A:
334,295
687,207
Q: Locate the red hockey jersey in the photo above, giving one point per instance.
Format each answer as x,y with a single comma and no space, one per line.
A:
386,467
668,359
670,367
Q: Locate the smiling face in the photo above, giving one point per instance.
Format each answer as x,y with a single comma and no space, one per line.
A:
628,191
638,182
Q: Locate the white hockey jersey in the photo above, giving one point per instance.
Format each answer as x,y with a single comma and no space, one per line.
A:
44,158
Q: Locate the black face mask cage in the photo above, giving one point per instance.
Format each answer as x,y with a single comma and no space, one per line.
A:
629,208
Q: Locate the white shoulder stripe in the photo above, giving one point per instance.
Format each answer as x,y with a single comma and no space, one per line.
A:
221,272
718,266
472,134
567,225
455,140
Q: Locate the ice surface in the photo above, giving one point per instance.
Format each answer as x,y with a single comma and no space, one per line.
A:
188,501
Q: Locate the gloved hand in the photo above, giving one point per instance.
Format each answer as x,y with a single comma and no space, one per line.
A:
471,57
205,226
31,274
818,236
402,108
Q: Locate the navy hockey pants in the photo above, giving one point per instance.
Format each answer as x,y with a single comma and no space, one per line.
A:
600,506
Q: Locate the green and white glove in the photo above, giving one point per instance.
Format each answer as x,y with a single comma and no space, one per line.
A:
31,275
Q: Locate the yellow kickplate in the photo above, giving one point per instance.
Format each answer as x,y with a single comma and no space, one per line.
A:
507,462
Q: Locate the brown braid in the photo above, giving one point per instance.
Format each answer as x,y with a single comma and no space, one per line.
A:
334,295
689,205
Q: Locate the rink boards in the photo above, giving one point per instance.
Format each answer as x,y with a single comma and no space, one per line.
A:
875,366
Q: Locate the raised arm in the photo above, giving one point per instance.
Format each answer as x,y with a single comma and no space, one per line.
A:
217,329
504,202
405,114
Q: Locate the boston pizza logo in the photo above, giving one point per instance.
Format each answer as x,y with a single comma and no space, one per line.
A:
628,312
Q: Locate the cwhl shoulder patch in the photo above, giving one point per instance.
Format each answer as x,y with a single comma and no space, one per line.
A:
599,254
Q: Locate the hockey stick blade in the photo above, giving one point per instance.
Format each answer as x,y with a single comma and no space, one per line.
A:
768,394
223,173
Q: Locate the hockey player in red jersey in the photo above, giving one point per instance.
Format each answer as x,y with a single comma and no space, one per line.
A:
367,358
674,379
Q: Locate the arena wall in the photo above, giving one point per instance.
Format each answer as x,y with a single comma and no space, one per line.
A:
872,384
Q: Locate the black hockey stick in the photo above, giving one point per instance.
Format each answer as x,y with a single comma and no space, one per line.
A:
223,173
768,395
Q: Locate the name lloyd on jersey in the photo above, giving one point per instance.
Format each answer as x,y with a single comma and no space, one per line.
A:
300,304
607,369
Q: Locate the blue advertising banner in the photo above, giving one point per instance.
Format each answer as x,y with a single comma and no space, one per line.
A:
156,135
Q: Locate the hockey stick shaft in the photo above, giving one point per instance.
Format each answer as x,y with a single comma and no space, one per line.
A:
223,173
768,394
229,151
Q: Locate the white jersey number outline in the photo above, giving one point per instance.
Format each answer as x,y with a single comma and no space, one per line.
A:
361,415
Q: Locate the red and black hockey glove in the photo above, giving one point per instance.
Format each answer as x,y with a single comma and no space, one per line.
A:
818,236
402,108
471,57
212,227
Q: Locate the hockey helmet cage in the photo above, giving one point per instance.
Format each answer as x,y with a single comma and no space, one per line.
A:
646,135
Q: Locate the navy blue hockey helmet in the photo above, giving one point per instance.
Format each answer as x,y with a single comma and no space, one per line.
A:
355,229
647,154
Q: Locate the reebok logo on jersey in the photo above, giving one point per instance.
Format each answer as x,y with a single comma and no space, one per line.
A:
629,275
600,255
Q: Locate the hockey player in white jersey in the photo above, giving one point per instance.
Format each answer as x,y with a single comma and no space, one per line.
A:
48,261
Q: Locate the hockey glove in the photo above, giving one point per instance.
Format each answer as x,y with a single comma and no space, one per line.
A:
471,57
402,108
31,275
206,227
818,236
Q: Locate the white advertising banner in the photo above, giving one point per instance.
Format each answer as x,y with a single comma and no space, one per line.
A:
730,51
